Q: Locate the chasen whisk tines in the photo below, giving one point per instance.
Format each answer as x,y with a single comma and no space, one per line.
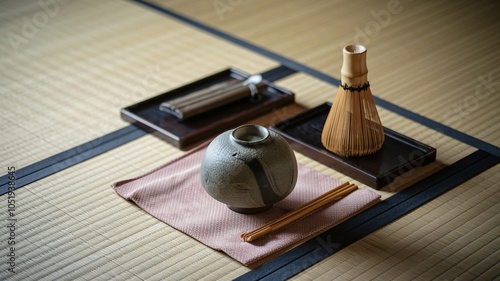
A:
353,127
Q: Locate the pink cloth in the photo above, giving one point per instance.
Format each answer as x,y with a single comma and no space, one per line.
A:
173,194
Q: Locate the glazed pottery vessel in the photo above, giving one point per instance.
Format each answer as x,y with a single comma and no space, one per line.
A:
249,169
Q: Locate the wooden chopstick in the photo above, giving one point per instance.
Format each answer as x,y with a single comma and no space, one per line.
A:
300,212
300,209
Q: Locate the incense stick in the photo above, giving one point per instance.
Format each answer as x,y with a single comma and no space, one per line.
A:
202,94
311,206
213,97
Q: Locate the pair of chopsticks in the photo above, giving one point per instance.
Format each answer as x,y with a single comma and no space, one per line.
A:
311,206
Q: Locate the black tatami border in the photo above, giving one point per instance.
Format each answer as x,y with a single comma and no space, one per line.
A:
71,157
340,236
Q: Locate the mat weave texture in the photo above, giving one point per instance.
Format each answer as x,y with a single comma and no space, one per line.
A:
64,86
173,194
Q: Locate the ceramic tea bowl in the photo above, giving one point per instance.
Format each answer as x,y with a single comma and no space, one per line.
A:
249,169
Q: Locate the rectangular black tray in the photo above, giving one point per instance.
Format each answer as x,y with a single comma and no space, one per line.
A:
185,133
399,153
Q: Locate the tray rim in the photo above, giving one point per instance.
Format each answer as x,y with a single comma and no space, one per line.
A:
185,141
376,180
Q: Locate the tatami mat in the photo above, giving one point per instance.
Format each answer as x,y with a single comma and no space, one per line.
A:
64,85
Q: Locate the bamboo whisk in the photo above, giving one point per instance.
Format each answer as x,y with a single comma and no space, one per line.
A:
353,127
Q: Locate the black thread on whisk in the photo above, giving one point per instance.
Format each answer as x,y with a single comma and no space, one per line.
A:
352,89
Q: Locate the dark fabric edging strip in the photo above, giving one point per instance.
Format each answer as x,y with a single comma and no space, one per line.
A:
359,226
71,157
66,154
443,129
95,147
472,141
277,73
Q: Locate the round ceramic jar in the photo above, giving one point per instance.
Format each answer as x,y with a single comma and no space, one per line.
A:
249,169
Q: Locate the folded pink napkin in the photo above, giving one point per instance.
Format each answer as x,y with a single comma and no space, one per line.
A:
173,194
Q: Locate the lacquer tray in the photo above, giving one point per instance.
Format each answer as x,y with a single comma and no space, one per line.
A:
399,153
185,133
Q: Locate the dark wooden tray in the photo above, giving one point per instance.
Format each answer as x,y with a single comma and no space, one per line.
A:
185,133
399,153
